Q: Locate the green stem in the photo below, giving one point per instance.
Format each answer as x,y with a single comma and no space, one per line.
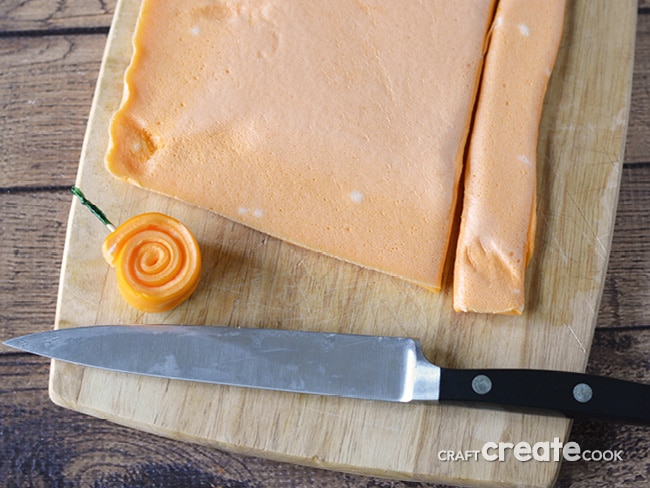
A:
93,208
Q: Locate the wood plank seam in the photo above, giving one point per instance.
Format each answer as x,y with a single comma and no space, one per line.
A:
63,31
627,328
641,164
34,189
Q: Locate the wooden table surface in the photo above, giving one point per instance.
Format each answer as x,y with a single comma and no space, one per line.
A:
49,60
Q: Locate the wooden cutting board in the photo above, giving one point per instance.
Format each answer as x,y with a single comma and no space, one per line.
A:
253,280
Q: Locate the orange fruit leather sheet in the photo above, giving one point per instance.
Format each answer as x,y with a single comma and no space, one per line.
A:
337,126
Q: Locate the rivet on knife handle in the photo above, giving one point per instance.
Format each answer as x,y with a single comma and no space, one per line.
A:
575,395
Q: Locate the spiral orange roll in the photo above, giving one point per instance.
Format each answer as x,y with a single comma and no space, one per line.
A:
157,261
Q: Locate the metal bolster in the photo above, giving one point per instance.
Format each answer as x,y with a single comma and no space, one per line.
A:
426,385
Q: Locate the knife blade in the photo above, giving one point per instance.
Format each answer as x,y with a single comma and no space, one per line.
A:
383,368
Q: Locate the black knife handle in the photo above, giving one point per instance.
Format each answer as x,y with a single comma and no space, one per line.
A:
575,395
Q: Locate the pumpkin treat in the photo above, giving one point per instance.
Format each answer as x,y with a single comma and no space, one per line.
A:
156,258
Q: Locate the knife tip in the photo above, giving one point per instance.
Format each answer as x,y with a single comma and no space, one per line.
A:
21,343
12,343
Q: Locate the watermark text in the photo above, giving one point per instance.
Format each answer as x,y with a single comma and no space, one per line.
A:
547,451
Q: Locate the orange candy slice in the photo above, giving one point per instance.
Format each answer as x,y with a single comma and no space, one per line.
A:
157,261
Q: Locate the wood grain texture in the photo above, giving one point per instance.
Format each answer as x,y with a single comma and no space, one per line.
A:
46,80
20,15
253,280
627,286
32,233
60,448
34,450
639,127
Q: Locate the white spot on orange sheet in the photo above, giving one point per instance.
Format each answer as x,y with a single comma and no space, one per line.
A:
356,196
258,213
525,159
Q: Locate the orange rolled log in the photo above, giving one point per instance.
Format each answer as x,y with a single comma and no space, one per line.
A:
156,259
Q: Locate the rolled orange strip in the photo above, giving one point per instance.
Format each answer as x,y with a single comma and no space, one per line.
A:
157,261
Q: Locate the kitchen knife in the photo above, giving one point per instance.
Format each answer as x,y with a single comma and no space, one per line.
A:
356,366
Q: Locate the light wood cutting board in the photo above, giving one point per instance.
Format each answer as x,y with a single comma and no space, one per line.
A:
253,280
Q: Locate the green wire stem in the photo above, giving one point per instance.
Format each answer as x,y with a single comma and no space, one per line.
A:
93,208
